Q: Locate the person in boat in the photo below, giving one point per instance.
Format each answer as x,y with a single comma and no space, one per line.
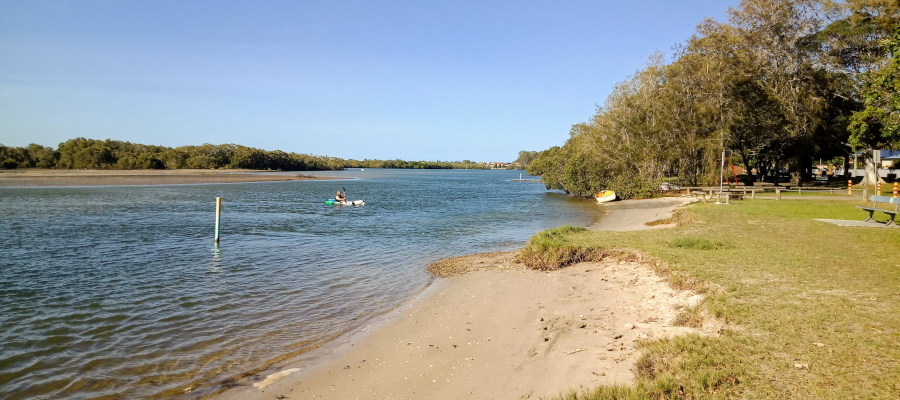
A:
340,196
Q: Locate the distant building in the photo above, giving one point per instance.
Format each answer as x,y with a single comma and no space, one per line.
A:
888,157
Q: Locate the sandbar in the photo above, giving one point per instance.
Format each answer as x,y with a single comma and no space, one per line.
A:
493,329
92,177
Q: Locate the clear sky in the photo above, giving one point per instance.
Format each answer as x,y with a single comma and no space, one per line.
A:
416,80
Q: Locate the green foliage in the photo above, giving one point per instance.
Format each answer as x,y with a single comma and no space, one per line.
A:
27,157
83,153
549,249
878,124
526,157
776,85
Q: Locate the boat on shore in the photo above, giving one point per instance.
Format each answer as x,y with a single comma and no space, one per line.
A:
605,196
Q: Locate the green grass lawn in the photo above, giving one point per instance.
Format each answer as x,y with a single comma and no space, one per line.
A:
788,282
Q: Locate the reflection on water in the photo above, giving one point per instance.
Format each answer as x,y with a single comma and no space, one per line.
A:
119,291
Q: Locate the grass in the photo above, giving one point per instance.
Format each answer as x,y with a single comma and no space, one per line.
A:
696,243
782,282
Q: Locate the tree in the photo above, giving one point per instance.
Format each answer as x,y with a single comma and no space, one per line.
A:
877,126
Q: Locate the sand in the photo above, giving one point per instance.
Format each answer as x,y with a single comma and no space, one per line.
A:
633,215
495,330
53,177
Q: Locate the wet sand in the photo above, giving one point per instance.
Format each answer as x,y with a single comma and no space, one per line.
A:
494,330
53,177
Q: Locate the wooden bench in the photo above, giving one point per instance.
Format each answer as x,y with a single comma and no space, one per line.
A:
882,199
699,194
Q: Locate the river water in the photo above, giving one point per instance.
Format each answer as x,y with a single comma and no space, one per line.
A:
118,291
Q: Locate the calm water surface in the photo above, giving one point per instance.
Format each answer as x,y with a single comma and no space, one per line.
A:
117,291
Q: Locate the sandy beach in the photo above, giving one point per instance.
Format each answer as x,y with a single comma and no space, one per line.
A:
56,177
494,330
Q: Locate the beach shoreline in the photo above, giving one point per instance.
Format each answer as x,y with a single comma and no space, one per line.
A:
495,329
35,177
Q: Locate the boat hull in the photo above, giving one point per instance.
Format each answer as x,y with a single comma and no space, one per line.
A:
606,196
333,202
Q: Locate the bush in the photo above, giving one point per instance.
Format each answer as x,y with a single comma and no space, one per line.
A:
9,164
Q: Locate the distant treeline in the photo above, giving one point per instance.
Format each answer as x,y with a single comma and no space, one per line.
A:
81,153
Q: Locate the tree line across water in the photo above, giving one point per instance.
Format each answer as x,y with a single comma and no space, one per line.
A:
83,153
780,84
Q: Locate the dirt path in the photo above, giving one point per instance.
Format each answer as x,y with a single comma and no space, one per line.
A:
632,215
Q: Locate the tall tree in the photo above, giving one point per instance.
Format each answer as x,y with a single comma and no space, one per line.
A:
877,126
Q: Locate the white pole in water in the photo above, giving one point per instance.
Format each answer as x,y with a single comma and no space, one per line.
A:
218,214
520,176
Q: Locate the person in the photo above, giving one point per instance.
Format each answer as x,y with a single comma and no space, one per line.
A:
339,196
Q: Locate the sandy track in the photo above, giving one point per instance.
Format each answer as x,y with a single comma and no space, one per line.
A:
632,215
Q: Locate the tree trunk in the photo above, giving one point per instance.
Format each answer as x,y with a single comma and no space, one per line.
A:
846,167
870,177
777,174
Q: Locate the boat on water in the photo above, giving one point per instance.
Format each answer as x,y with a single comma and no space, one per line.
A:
605,196
333,202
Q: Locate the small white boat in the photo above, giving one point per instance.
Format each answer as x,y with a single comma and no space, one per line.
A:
605,196
333,202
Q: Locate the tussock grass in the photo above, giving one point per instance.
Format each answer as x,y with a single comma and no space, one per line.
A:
550,249
665,221
689,316
783,282
696,244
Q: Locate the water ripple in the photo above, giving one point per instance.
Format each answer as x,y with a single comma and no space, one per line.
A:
117,291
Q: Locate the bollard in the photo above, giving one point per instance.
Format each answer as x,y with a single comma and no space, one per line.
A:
777,194
727,198
850,188
866,194
878,190
752,194
218,214
895,189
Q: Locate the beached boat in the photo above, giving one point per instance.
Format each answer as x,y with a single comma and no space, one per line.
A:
605,196
333,202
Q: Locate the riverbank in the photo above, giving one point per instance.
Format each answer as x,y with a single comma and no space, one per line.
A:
54,177
494,329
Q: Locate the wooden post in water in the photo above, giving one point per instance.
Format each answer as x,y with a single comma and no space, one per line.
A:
520,176
218,214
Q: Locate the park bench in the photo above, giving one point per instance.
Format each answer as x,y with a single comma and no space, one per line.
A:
882,199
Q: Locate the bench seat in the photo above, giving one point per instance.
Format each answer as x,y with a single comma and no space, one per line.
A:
882,199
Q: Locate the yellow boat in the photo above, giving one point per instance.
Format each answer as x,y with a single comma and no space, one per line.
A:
605,196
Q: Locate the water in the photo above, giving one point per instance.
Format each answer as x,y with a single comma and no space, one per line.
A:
117,291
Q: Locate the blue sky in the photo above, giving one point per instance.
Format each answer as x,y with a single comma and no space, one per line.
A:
416,80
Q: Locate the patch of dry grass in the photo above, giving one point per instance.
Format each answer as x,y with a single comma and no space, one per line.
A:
790,290
453,266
